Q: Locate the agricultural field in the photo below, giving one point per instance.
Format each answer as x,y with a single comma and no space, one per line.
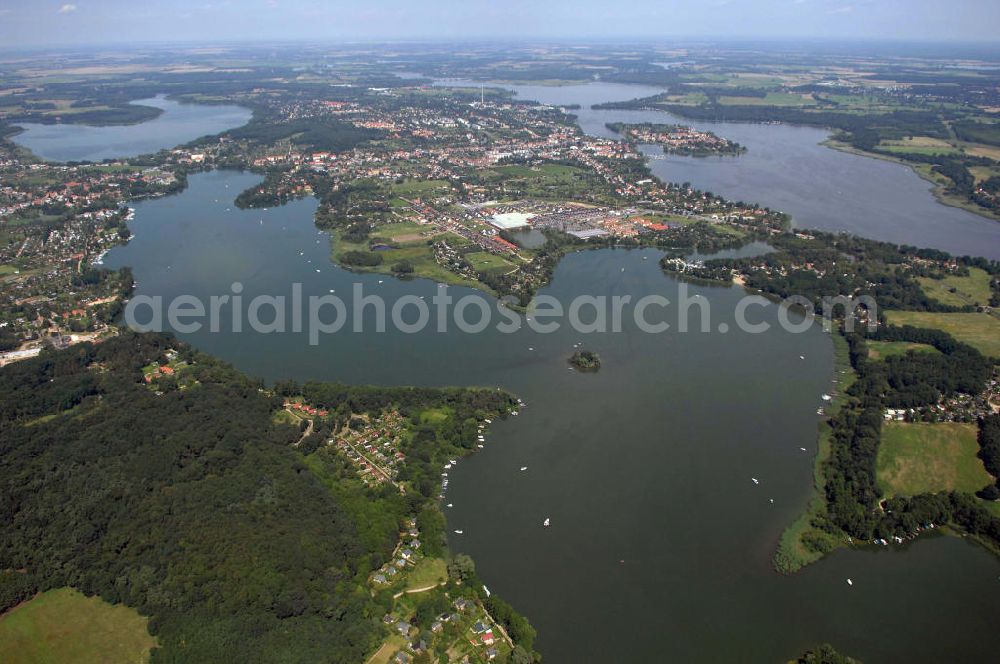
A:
64,627
772,99
959,291
920,145
916,458
979,330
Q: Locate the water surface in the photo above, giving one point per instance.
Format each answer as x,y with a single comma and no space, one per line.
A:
178,124
660,543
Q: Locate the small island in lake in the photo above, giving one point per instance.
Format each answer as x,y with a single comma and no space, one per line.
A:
678,139
585,360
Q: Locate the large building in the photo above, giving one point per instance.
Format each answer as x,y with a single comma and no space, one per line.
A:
509,220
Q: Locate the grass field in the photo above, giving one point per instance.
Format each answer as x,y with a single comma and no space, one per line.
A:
487,262
879,350
64,627
434,415
428,571
980,330
772,99
419,254
926,458
391,646
959,291
920,145
421,188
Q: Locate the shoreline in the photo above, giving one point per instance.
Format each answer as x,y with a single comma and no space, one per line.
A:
791,554
937,190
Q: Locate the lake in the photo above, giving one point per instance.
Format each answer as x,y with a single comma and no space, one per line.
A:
178,124
659,546
786,168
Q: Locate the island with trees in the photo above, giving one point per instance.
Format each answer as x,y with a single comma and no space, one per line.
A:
585,360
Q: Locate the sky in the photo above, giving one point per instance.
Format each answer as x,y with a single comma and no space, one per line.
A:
46,22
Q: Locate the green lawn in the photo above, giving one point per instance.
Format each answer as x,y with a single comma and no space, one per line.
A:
921,458
402,228
64,627
428,571
959,291
979,330
421,188
419,254
434,415
879,350
487,262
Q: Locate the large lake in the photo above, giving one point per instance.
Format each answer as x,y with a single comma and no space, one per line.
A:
178,124
787,168
660,543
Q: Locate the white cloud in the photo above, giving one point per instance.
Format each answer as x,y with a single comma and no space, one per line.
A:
67,9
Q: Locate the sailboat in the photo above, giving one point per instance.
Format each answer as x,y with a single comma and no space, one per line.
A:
546,522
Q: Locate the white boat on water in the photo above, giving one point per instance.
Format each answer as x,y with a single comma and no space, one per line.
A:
458,532
546,522
449,505
755,480
850,583
523,468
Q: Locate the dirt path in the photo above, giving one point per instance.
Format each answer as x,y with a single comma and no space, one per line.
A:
305,434
414,591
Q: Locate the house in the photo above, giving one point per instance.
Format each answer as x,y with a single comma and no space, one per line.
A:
403,627
488,638
415,544
406,554
388,619
462,604
437,626
491,653
380,578
401,658
479,627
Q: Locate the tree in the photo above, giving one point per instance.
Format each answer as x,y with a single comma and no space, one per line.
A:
461,568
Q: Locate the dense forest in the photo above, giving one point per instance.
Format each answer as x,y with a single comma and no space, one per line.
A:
189,503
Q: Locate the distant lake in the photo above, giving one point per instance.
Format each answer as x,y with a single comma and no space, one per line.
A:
178,124
787,169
